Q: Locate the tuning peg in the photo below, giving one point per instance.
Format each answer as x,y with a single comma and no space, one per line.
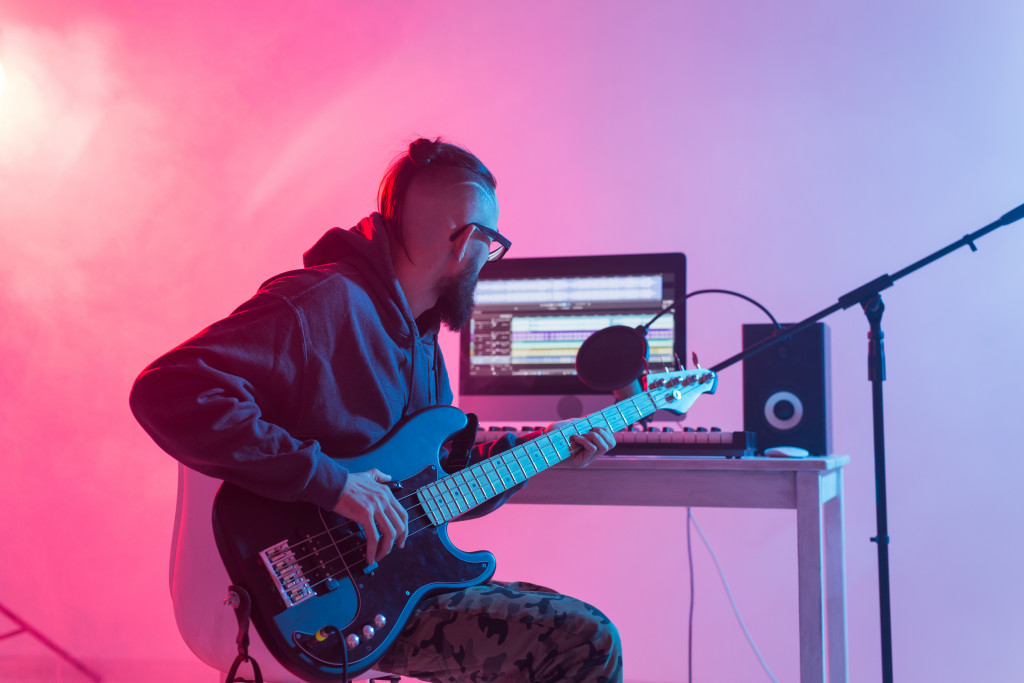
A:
696,363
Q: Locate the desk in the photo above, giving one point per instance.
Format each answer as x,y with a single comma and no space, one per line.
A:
812,486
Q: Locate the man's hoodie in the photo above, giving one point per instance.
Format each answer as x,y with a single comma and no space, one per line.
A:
319,365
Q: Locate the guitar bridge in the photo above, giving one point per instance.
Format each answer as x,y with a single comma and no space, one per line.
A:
287,574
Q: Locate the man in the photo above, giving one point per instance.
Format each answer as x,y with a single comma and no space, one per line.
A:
323,362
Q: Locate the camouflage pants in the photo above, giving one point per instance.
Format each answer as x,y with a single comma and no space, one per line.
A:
506,632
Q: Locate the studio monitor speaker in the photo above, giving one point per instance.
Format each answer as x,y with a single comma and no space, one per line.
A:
786,396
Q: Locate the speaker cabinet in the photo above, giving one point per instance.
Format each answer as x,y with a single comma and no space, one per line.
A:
786,392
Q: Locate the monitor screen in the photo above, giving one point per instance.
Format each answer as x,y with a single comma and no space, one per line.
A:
518,352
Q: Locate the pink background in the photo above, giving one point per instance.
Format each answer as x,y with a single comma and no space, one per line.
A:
158,160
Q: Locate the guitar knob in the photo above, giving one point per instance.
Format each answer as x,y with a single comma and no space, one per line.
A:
352,641
380,621
368,632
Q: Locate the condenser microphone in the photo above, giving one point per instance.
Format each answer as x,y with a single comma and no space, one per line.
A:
613,358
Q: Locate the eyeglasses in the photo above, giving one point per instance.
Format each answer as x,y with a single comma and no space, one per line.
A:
499,244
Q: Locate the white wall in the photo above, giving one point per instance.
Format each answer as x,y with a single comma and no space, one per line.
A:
159,160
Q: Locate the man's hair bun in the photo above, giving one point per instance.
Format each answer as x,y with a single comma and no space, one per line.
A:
423,151
425,157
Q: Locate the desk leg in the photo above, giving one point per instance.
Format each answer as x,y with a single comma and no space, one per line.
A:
835,585
810,577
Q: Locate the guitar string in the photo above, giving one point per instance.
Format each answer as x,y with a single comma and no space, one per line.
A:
565,433
572,429
359,548
486,477
355,533
345,557
569,430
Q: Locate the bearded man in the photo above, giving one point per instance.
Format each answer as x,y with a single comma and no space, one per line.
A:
323,362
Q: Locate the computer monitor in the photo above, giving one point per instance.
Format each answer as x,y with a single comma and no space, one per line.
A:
518,352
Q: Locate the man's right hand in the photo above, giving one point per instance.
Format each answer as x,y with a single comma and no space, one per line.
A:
368,502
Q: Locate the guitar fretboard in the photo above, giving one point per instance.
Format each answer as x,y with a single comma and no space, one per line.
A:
451,496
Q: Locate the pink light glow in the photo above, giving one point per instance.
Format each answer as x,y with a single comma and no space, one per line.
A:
159,160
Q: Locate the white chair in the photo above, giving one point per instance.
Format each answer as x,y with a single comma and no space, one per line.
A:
199,586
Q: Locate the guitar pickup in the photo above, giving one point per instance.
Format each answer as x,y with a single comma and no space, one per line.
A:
287,574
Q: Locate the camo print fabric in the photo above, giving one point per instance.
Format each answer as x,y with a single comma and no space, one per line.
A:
506,633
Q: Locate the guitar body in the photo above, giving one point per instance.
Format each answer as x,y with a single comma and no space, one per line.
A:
318,608
315,603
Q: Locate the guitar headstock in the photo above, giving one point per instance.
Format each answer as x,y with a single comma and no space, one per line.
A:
678,390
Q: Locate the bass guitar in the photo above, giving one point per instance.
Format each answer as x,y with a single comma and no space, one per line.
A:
319,608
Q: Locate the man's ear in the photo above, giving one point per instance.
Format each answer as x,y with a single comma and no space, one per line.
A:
460,245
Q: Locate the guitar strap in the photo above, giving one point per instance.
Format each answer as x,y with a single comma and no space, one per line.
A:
238,598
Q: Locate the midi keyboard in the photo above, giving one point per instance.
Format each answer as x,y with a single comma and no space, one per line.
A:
699,442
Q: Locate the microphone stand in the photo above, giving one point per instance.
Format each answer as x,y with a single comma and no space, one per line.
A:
870,300
24,627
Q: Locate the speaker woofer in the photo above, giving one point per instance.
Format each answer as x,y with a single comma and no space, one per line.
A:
786,389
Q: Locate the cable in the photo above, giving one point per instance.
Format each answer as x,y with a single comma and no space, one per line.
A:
728,592
689,639
712,291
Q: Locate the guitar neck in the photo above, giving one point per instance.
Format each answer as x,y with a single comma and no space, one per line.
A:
456,494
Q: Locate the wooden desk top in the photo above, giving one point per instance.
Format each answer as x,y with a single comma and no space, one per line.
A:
674,462
662,480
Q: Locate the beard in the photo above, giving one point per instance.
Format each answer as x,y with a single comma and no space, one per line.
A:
455,299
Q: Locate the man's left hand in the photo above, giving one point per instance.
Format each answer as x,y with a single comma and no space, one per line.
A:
597,441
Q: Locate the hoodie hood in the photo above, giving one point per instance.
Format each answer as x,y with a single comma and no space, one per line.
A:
368,239
367,249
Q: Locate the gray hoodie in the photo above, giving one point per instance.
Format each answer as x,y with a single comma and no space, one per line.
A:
319,365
